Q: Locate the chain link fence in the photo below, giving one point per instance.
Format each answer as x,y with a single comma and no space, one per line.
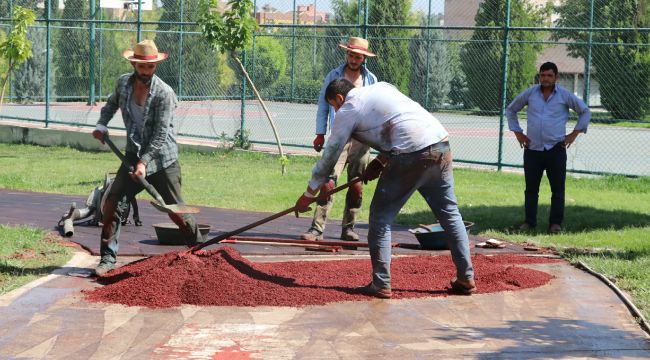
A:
462,60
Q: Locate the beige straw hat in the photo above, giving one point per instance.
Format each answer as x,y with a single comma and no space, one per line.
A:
145,52
357,45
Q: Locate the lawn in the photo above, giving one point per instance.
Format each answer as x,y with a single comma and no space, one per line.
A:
27,254
607,218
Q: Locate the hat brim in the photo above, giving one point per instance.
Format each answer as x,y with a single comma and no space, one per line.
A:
358,51
129,55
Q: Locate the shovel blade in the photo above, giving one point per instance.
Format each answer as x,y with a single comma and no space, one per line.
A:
175,208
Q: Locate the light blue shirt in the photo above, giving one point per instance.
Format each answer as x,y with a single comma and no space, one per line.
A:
383,118
325,113
547,119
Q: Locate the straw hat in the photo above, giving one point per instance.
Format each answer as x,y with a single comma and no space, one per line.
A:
145,52
357,45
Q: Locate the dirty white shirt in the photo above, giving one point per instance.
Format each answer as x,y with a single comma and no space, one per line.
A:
383,118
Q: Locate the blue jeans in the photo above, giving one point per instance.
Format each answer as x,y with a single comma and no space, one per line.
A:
429,172
554,162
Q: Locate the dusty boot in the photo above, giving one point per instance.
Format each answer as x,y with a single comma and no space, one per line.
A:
315,232
312,235
348,234
350,218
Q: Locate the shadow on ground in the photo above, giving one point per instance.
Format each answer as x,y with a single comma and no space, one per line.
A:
550,335
508,218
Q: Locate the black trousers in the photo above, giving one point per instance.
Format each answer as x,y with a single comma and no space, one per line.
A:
554,162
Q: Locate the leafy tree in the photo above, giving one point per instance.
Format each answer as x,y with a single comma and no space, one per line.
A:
481,59
621,59
458,92
198,75
433,70
270,61
16,48
344,13
29,82
395,63
307,69
231,31
72,49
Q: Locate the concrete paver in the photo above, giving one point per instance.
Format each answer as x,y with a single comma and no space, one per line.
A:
574,316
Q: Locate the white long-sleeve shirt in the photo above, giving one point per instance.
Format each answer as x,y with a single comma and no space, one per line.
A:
383,118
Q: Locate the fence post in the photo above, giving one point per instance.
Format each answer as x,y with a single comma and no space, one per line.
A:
242,122
101,52
504,82
48,43
139,20
428,39
293,52
254,47
587,90
365,19
91,54
180,56
11,83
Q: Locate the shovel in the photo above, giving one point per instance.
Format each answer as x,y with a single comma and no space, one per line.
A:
159,203
227,235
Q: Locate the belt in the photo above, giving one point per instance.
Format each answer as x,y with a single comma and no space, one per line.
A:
442,146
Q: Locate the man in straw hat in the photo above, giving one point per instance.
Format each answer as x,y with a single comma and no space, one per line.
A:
147,105
355,154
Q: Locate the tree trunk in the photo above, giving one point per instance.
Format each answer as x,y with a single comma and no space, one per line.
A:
266,111
4,84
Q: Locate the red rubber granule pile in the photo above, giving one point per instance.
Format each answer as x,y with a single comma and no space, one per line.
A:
224,277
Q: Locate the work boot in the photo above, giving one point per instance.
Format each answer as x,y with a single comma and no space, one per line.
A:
348,234
464,287
312,235
103,268
372,290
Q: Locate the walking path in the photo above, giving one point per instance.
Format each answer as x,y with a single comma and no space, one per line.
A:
573,316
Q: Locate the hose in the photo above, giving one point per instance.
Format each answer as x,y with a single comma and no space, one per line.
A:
633,309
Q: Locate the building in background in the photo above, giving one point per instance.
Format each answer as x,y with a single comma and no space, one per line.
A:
461,13
304,15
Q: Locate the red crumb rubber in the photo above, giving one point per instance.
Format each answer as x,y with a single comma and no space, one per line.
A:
222,277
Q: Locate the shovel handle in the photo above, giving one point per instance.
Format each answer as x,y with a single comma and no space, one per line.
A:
147,186
267,219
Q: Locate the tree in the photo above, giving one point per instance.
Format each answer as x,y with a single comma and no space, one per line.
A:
344,13
431,72
481,58
395,63
197,76
29,82
270,61
231,31
16,48
621,58
72,70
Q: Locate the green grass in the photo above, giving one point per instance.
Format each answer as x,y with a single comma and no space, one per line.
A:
27,254
608,216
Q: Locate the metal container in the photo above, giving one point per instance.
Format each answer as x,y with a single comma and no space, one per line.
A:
433,237
169,234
